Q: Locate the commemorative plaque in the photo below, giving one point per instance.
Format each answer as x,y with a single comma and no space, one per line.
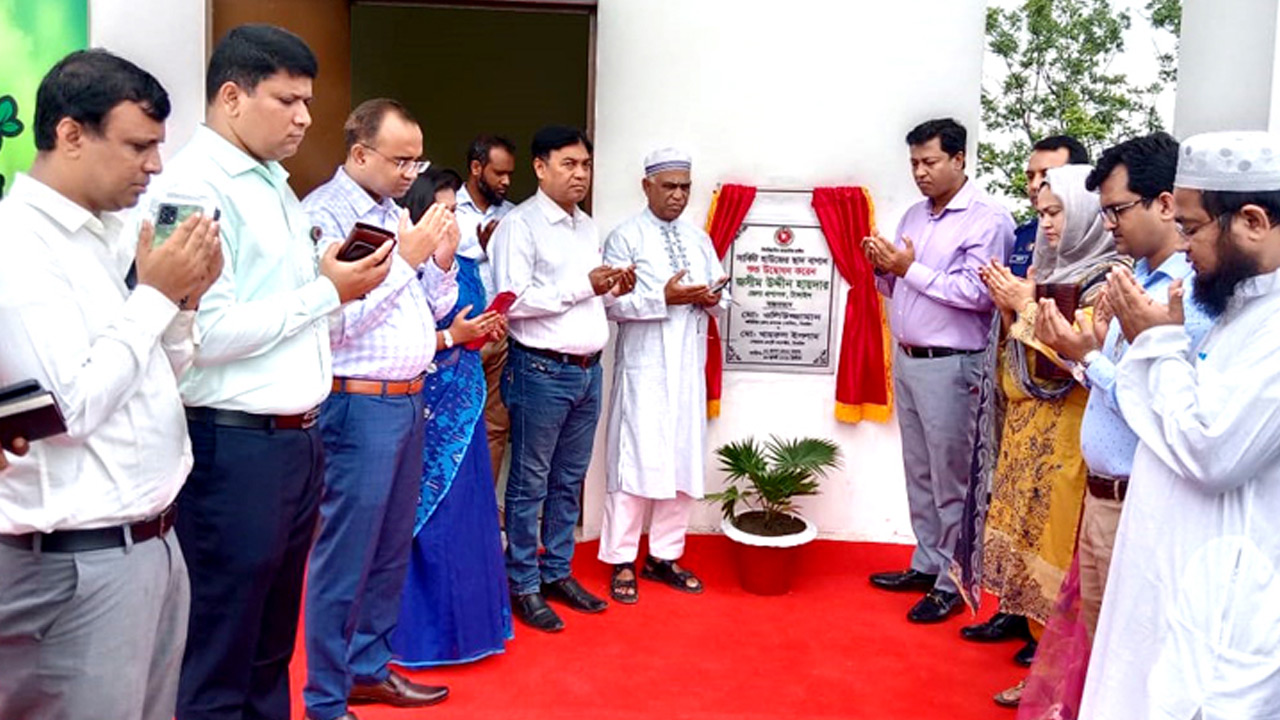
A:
783,292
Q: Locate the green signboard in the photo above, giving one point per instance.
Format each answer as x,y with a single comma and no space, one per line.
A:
33,36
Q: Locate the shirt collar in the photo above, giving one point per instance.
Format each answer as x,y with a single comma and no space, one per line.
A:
1256,287
552,211
357,197
61,209
464,198
648,214
1174,267
960,201
233,160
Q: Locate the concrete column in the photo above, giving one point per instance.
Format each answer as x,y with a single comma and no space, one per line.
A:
1228,67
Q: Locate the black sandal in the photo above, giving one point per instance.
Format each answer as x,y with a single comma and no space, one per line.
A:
617,585
664,571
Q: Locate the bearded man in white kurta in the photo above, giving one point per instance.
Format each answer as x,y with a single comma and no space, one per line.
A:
657,417
1190,624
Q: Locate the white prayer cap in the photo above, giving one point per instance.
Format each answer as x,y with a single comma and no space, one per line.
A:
666,159
1233,161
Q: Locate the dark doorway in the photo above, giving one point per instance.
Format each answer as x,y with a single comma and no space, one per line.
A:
463,71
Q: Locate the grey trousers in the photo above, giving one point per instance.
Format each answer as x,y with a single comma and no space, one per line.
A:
937,415
92,635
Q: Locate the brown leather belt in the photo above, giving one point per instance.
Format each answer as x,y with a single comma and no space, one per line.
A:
251,421
356,386
933,352
72,541
1107,488
582,361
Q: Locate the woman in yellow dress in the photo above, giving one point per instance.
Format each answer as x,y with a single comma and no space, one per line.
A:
1039,483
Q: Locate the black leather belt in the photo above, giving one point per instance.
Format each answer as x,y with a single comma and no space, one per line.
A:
237,419
73,541
582,361
1107,488
933,352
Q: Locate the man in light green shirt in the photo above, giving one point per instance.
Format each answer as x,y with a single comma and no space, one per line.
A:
247,514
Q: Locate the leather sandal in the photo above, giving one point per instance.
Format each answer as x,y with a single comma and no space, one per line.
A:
664,571
1011,697
618,586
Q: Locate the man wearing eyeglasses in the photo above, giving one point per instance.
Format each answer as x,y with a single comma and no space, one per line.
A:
1135,184
372,424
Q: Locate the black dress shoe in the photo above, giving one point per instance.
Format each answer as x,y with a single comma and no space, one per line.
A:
912,580
533,611
1001,626
398,691
569,592
935,607
1027,654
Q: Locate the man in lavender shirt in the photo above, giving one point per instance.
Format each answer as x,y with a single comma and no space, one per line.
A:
940,315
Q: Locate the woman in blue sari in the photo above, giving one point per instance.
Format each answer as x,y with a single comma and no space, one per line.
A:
455,607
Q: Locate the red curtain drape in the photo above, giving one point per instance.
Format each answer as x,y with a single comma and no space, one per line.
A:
863,392
729,208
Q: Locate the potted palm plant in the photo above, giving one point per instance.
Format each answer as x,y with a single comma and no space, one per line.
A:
769,476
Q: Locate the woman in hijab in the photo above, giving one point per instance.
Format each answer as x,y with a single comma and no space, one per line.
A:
1039,482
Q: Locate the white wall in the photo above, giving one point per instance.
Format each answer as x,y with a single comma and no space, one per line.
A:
1226,67
167,39
801,93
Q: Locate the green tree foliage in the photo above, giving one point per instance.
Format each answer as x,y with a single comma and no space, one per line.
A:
1054,75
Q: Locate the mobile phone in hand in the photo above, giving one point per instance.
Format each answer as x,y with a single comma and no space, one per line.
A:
720,285
172,210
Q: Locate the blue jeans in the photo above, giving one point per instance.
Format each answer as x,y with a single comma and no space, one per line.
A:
373,467
554,407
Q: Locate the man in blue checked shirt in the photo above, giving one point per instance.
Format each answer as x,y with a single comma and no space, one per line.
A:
372,424
1135,184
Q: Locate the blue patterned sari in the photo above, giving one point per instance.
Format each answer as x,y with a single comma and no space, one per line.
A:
455,393
456,606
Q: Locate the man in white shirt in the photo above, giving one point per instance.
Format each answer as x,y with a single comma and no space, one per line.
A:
263,367
547,251
93,587
1190,626
373,422
482,203
657,416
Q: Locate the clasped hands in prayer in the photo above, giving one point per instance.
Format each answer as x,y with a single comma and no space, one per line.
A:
677,293
1123,299
888,257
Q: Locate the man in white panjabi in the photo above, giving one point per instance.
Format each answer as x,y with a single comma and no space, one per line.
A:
1190,624
657,417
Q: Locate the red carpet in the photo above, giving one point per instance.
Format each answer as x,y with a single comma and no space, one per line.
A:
833,648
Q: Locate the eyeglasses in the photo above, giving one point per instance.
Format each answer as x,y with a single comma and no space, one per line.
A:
1190,232
417,167
1112,212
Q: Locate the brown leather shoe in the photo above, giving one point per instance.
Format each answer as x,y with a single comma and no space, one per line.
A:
398,691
